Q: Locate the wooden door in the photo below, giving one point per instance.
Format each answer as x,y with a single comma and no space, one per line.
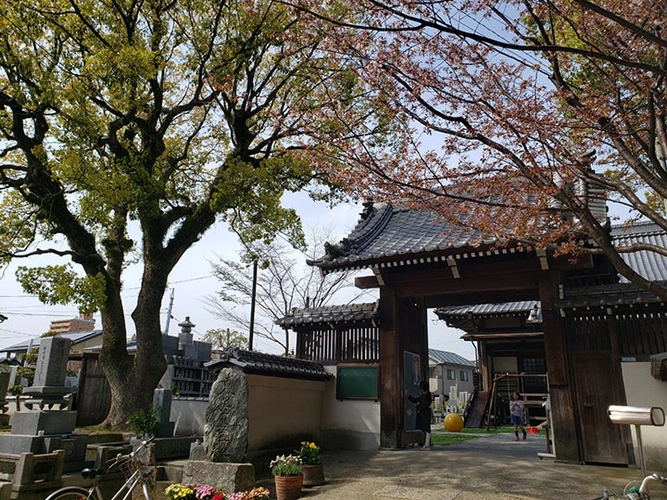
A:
599,384
93,399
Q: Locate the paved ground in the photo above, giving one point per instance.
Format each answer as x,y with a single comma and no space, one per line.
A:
491,466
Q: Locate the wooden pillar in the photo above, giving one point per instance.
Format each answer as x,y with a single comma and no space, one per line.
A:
483,366
390,371
402,328
561,389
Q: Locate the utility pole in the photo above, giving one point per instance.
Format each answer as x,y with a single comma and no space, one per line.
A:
171,305
252,305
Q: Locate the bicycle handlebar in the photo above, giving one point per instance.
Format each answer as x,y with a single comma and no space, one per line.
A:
653,477
144,444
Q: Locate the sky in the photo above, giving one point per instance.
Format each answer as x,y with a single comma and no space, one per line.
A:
191,282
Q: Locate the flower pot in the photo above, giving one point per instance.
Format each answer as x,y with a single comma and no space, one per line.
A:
288,487
313,475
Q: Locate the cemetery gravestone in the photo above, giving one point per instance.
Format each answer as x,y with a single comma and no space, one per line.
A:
48,429
4,385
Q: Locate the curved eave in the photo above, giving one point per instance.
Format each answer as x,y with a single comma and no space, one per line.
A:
502,336
420,257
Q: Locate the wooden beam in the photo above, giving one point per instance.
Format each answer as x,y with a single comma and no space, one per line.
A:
481,285
542,255
366,282
451,262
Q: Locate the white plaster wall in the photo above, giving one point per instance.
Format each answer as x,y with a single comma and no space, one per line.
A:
642,390
349,424
188,415
282,410
504,364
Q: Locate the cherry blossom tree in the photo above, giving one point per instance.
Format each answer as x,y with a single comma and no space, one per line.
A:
520,116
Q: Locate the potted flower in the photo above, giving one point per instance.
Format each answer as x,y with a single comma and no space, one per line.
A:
258,493
288,476
194,492
313,471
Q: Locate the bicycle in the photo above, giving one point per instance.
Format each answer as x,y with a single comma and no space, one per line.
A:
634,490
137,466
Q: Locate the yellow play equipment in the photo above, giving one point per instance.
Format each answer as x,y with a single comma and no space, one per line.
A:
453,422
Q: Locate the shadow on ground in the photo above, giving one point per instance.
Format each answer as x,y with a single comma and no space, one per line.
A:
490,466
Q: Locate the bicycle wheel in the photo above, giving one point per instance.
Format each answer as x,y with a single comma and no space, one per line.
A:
72,493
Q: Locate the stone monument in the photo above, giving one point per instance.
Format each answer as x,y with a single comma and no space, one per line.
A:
49,428
4,385
162,403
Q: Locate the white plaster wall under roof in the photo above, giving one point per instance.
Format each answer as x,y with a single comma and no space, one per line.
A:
349,424
642,390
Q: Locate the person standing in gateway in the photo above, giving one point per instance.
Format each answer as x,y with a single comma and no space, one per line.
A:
517,410
423,403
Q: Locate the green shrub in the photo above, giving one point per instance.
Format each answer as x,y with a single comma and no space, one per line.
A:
15,390
145,422
26,373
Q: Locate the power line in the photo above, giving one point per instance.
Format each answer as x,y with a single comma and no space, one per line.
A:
39,315
22,334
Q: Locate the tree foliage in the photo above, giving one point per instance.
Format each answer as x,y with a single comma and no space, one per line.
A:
220,338
523,114
128,128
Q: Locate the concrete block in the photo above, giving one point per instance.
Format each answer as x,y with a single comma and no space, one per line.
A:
74,446
197,451
170,448
16,444
48,421
227,476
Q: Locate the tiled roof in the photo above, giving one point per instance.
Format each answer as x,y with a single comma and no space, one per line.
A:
606,295
650,265
504,309
391,232
346,313
75,337
449,358
260,363
393,235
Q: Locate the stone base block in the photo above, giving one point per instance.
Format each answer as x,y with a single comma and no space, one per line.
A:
172,448
227,476
74,446
166,429
49,422
15,444
46,397
75,449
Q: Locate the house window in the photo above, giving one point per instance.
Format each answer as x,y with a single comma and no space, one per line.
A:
464,376
451,374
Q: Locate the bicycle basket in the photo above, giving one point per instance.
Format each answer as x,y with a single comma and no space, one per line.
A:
141,461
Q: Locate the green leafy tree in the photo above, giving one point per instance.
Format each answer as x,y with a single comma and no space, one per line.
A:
224,337
127,129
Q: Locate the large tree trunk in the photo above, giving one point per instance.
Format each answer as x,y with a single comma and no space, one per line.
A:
132,377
